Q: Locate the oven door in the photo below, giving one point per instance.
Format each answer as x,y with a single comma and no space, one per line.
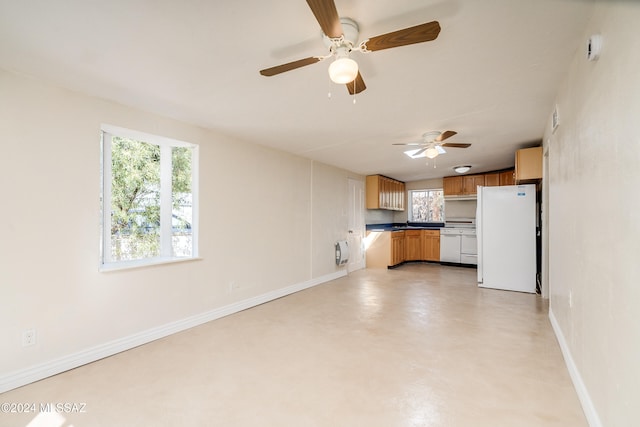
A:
469,249
469,245
450,248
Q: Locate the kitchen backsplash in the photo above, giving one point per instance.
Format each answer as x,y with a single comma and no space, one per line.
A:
452,208
460,208
381,216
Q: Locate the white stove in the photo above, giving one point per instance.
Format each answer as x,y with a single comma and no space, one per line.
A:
458,242
460,223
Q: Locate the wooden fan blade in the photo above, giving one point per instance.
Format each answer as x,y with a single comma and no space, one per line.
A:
358,87
289,66
418,34
327,16
415,143
444,135
455,145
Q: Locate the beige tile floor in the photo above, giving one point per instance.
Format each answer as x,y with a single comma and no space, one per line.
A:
417,346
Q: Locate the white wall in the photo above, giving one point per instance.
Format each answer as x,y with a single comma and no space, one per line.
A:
594,219
268,223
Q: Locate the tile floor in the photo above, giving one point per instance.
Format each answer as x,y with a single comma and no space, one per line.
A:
420,345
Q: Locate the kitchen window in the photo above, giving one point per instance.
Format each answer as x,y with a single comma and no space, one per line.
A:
149,199
426,205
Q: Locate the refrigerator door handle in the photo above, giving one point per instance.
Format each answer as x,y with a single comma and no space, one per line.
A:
479,232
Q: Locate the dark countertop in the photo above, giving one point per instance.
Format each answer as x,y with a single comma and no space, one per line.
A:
405,226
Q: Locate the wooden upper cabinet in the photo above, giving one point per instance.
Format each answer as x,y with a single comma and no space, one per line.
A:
384,193
452,185
471,182
462,185
507,177
528,164
492,180
466,185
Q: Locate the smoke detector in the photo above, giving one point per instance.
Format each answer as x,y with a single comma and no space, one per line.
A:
594,46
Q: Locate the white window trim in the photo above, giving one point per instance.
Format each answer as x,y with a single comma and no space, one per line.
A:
165,232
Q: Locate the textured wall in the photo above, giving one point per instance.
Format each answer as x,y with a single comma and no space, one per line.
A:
594,215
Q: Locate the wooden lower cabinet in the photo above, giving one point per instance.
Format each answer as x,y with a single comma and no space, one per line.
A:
397,247
430,245
391,248
413,245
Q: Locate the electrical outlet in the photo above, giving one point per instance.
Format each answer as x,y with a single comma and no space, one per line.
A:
28,337
233,286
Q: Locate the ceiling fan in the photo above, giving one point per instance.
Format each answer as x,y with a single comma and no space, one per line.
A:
341,36
432,143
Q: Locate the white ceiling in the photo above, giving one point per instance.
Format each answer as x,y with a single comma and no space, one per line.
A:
491,75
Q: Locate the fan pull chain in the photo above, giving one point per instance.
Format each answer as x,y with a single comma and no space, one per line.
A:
354,90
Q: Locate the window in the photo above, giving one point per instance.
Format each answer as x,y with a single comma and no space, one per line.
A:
426,206
149,199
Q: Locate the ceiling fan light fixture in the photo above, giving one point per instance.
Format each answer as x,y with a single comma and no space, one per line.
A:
343,70
462,169
431,152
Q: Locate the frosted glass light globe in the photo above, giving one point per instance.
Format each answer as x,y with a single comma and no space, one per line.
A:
343,70
431,153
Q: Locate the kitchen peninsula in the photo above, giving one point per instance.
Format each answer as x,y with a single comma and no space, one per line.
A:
391,245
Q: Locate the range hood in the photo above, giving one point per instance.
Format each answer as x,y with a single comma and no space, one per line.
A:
462,197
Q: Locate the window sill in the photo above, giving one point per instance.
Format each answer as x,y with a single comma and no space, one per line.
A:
127,265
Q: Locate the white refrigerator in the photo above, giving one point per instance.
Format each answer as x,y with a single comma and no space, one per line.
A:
506,232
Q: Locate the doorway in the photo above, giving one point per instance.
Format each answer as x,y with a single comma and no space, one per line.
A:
356,225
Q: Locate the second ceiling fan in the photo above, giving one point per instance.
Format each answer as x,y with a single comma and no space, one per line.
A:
432,143
341,38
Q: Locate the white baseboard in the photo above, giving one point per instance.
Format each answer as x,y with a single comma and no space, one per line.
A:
43,370
583,394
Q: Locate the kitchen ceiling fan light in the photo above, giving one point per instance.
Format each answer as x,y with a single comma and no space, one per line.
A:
343,70
431,152
462,169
